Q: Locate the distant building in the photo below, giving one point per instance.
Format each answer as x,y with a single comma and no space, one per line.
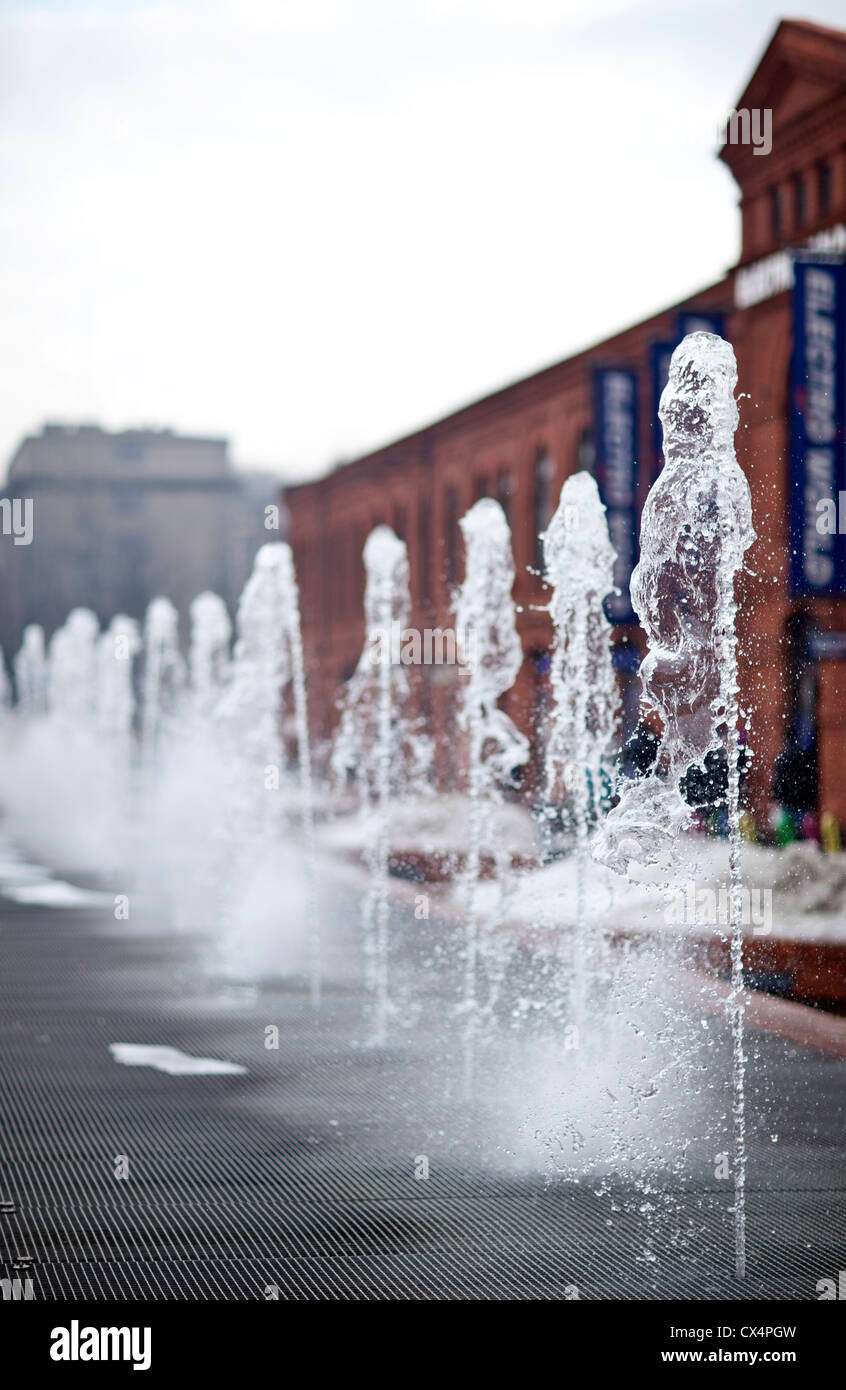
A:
786,148
119,518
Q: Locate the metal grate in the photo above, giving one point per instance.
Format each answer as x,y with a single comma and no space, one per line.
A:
298,1177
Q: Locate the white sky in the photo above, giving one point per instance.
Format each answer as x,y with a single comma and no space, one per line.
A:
313,225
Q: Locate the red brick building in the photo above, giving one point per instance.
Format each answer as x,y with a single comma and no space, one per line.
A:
519,445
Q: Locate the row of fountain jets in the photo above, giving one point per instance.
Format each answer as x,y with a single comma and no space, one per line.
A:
695,529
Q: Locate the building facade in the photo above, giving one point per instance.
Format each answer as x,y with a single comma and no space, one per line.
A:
598,411
117,519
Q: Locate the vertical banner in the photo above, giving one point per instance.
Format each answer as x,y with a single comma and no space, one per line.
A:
615,422
817,458
659,371
692,321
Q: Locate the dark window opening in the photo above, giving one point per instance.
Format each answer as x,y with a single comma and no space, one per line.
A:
586,452
130,448
504,491
424,541
129,499
775,212
800,207
452,539
824,189
544,470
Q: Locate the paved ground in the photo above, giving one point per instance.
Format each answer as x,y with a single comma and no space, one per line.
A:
302,1175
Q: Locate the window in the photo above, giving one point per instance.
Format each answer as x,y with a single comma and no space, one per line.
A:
824,189
775,212
128,499
504,490
586,452
424,542
129,448
544,470
480,488
451,530
800,209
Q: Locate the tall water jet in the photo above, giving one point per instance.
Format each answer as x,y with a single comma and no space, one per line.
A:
117,649
293,633
5,689
267,659
164,674
578,568
491,652
696,529
208,653
376,745
30,668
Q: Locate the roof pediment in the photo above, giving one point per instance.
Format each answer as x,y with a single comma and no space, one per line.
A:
802,70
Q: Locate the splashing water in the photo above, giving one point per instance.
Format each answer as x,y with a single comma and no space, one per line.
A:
696,528
378,745
485,617
579,564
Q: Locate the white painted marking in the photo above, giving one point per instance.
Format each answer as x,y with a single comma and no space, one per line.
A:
56,893
172,1061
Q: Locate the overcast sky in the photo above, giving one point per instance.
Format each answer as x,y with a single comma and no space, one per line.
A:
313,225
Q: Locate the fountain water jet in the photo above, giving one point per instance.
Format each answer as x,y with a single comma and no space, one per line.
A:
164,674
116,651
293,632
5,689
208,653
696,529
578,567
267,658
485,613
378,745
72,670
30,668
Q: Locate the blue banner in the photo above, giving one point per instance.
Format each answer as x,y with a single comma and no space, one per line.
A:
659,371
691,321
817,459
616,425
694,321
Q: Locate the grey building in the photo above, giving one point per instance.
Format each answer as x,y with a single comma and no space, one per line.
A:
118,518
